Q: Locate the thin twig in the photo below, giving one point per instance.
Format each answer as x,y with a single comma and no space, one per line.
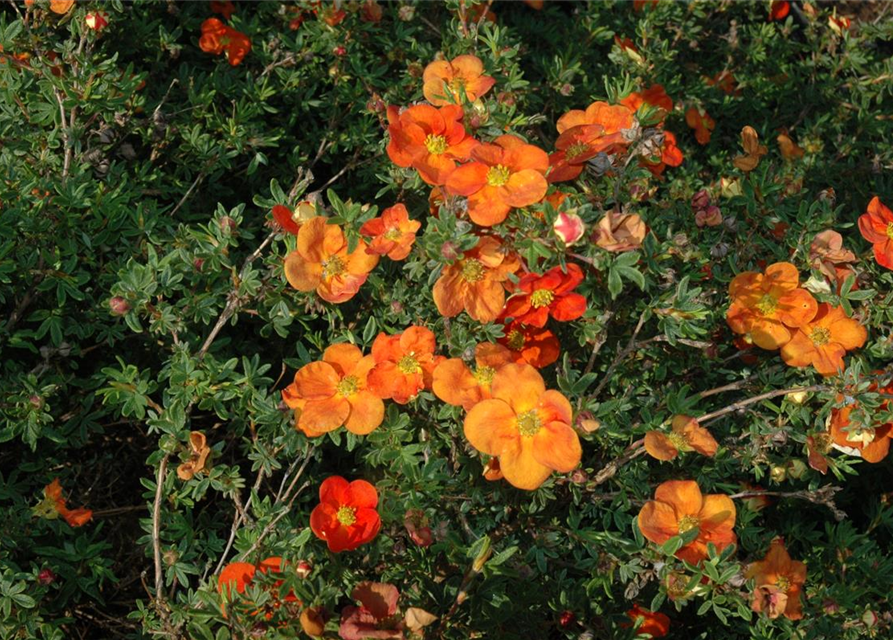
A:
156,537
201,176
66,137
741,404
609,470
630,347
823,496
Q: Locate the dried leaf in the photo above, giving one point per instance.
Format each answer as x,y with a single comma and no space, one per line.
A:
417,619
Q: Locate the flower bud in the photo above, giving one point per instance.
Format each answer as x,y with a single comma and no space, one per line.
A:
797,397
170,557
569,228
448,251
96,20
339,51
566,89
36,401
796,469
870,619
566,619
46,577
119,306
198,263
701,200
227,224
396,307
406,13
303,569
778,473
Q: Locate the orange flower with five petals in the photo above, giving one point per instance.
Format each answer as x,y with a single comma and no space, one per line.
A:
475,281
679,507
392,233
686,435
876,226
322,262
577,145
550,294
444,82
824,340
346,516
404,364
653,623
655,96
333,392
525,426
767,306
778,582
456,384
872,441
614,118
531,345
428,139
507,175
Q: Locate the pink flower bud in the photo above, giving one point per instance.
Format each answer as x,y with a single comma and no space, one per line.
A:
448,251
46,577
569,227
304,569
96,20
227,224
119,306
701,200
198,263
339,50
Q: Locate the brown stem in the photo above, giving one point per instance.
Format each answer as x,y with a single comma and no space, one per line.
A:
156,538
741,404
823,496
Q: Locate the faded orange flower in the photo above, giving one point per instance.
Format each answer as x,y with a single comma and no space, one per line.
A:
872,441
614,118
703,125
507,175
456,384
824,340
686,435
392,233
322,262
753,150
767,306
789,149
198,456
620,232
525,426
445,82
475,281
679,507
826,253
334,392
778,582
725,82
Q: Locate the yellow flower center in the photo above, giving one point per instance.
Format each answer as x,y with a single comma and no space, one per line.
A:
541,298
783,583
332,267
408,364
529,423
576,149
820,336
516,340
484,375
767,305
890,230
688,523
435,144
348,386
861,435
393,234
457,83
677,441
498,175
472,270
347,515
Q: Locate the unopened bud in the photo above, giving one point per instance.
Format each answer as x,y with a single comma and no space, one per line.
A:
303,569
46,577
569,228
119,306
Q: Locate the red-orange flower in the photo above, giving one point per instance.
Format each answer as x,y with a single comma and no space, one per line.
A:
872,440
218,38
475,281
236,576
346,515
540,296
576,146
322,262
456,384
404,364
654,623
224,7
699,120
765,307
392,233
686,435
670,156
428,139
779,9
290,220
527,427
54,505
725,82
778,582
678,507
333,392
614,118
531,345
444,81
824,340
876,226
655,96
502,176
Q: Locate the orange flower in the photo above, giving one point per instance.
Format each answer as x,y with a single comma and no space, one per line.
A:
789,149
392,233
577,145
475,281
670,156
550,294
236,576
456,384
505,175
871,441
753,150
826,252
824,340
876,226
290,220
198,456
614,118
335,393
444,81
678,507
779,9
725,82
329,12
429,140
218,38
531,345
61,6
765,307
620,232
653,623
346,515
527,427
404,364
699,120
687,435
322,262
778,581
54,505
655,96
